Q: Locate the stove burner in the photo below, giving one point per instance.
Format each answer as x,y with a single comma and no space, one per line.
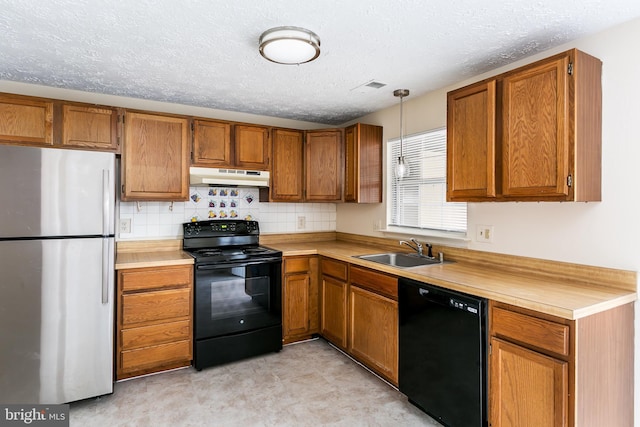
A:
217,241
256,250
208,252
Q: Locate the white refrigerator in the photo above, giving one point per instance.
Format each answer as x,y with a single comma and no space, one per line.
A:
56,274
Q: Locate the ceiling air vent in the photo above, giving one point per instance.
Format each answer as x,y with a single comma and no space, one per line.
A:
375,85
368,86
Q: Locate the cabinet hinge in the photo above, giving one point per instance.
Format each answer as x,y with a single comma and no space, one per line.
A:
490,349
122,189
192,127
570,68
569,181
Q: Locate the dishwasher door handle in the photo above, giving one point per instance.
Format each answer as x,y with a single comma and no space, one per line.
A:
423,292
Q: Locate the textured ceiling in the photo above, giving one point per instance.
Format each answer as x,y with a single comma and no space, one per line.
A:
205,53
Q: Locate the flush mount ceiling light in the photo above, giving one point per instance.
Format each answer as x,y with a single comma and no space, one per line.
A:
289,45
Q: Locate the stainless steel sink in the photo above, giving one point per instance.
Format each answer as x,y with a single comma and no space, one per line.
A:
399,259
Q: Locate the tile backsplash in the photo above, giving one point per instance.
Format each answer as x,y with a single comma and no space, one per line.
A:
158,220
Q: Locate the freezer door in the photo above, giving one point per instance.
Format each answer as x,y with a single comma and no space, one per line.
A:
55,322
55,192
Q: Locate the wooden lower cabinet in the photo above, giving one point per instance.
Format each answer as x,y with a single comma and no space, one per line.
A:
359,314
373,320
528,388
548,371
333,297
300,315
154,315
373,331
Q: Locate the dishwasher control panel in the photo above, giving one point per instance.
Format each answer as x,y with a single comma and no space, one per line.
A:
461,305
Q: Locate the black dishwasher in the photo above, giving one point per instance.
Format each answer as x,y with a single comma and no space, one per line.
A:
442,360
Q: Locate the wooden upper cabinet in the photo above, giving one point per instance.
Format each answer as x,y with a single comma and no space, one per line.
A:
26,120
252,147
324,165
89,127
363,164
287,170
535,144
212,143
548,121
155,158
227,145
471,142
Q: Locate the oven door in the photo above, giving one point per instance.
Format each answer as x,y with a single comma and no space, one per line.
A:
237,297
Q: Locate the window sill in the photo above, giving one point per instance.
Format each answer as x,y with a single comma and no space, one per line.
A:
446,237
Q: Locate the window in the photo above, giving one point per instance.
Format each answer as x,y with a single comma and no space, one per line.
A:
419,200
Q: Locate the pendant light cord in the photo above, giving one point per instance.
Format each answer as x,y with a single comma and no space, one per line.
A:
401,93
401,127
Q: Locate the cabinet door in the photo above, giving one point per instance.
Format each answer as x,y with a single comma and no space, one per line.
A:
527,388
373,331
155,158
363,164
296,304
324,167
334,311
89,127
471,142
211,143
351,164
287,174
251,147
25,120
535,133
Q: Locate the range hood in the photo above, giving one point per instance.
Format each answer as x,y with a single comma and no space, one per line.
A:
228,177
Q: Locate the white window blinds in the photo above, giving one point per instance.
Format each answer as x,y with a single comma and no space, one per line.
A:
419,200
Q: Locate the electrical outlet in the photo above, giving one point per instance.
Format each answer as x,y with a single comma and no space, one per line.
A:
125,225
484,233
377,225
302,223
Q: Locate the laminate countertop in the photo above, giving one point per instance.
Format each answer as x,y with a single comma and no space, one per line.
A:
544,290
148,259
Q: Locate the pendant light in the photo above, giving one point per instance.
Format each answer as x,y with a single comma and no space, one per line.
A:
402,167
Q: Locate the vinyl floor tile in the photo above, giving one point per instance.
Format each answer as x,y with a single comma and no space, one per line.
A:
306,384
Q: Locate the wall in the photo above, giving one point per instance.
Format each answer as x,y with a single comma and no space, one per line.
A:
601,234
163,220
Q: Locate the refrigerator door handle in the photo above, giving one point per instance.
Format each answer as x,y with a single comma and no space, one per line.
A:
105,270
105,202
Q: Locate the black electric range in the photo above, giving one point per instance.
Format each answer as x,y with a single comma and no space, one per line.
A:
237,292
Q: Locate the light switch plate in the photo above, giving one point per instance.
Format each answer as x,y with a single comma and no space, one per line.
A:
484,233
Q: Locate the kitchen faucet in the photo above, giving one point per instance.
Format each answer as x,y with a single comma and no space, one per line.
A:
418,247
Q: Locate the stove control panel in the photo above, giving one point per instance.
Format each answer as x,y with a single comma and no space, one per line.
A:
236,227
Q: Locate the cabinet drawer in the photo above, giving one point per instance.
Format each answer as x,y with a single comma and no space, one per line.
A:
296,265
145,336
333,268
135,360
374,281
136,280
540,333
159,305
